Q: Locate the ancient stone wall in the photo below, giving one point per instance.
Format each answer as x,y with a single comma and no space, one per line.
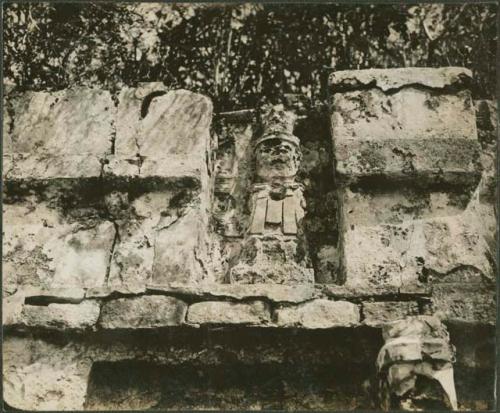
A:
250,259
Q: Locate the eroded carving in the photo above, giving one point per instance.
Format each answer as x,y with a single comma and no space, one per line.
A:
274,248
415,366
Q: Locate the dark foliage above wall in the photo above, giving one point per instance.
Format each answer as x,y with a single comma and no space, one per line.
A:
239,55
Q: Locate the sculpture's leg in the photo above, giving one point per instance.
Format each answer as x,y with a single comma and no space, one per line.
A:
415,366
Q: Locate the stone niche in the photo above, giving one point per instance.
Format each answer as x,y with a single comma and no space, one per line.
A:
157,256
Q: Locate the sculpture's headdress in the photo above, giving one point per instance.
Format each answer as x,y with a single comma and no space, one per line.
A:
277,123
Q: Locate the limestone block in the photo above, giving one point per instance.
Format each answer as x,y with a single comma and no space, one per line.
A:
377,313
218,312
464,296
165,168
42,376
176,123
137,224
61,316
42,250
451,161
84,260
35,167
394,205
383,121
129,114
142,312
319,313
411,251
182,252
73,121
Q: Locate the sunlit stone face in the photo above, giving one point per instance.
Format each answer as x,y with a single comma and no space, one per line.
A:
276,158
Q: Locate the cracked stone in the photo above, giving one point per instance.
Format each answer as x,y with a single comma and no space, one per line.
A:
142,312
378,133
181,250
177,123
319,313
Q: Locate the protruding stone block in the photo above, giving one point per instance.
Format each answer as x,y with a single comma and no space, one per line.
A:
405,124
319,313
175,123
73,121
218,312
142,312
61,316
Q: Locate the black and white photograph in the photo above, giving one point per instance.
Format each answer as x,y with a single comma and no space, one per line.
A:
260,206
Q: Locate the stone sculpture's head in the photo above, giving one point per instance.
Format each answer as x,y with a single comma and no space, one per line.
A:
277,157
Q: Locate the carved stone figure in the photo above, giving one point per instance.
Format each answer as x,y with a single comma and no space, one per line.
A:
274,249
415,366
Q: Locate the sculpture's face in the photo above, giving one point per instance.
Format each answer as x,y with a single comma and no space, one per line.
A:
276,158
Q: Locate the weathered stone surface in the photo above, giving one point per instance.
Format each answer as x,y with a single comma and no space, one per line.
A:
378,313
175,123
270,259
84,260
142,312
73,121
61,316
34,167
411,251
319,313
452,161
390,79
182,249
394,205
41,250
464,295
215,312
383,129
42,376
167,168
129,114
408,114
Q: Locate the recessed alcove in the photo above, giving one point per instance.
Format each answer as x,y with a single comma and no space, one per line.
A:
230,386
